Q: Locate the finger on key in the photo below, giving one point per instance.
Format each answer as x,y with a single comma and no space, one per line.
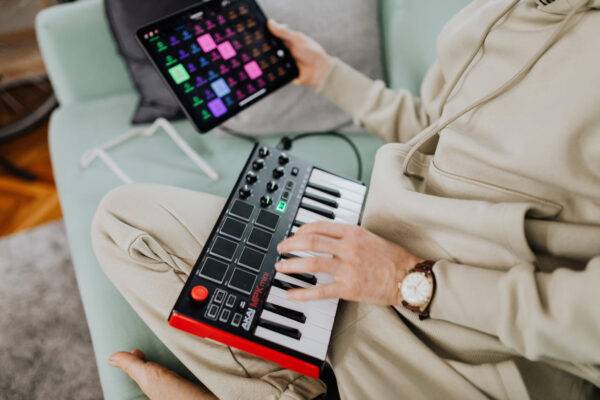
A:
309,242
306,265
319,292
330,229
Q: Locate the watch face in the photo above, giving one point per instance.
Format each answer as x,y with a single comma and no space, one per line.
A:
416,289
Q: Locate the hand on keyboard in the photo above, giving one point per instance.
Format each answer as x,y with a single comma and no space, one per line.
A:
364,266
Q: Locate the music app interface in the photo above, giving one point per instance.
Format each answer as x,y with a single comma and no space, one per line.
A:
218,58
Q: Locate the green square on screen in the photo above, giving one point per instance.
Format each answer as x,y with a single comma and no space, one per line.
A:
179,74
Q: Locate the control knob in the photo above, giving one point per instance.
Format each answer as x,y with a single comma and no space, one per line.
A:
283,159
266,201
245,192
251,178
258,164
272,186
278,172
263,152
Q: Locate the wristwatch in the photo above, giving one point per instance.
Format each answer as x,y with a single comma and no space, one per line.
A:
418,288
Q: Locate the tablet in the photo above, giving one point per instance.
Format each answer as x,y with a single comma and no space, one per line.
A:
218,58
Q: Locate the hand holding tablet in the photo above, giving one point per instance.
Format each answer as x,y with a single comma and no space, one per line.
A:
218,58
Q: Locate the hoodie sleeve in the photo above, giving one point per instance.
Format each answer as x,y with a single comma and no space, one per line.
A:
393,115
540,315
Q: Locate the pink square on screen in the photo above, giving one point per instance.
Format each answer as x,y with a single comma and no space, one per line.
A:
253,70
207,43
227,51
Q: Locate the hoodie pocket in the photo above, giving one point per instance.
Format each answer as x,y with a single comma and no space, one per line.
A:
513,223
463,187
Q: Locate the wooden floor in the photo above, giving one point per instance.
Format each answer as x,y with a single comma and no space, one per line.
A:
20,55
24,204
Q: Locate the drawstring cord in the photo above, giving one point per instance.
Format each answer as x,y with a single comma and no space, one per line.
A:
476,50
426,135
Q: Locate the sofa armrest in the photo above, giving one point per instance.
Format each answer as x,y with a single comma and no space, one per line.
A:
79,52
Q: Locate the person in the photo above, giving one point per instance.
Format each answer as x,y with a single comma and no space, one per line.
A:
475,273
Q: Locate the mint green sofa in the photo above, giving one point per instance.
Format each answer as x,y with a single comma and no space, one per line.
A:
96,102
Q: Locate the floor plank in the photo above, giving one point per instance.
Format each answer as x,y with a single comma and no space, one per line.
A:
24,204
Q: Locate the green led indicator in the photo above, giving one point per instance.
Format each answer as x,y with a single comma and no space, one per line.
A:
281,206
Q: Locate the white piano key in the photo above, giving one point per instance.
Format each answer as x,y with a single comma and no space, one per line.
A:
305,345
340,213
313,314
342,203
338,181
323,278
301,254
314,332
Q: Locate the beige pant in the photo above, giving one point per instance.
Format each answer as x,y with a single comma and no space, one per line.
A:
147,239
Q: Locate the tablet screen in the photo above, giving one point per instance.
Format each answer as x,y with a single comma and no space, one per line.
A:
218,58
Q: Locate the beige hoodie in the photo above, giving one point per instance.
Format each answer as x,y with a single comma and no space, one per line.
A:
507,196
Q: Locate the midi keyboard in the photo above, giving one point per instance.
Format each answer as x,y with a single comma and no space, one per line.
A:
235,296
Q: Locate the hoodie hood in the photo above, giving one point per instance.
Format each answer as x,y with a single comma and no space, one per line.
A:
562,7
571,7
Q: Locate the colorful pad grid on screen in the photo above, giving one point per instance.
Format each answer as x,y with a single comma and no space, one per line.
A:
219,60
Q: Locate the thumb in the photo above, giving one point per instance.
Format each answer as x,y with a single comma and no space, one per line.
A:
131,363
279,30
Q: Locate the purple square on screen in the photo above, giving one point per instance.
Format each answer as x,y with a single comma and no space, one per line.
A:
217,107
220,87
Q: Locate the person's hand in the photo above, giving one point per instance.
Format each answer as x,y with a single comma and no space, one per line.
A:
157,382
313,61
365,267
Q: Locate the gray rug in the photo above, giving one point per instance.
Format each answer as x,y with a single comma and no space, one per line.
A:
45,348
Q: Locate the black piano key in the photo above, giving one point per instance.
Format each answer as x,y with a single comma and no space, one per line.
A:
298,223
308,278
324,189
322,200
287,256
281,329
286,312
318,210
285,285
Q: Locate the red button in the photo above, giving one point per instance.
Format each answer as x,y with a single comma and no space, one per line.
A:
199,293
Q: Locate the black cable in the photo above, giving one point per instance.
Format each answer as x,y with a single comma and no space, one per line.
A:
287,142
239,135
